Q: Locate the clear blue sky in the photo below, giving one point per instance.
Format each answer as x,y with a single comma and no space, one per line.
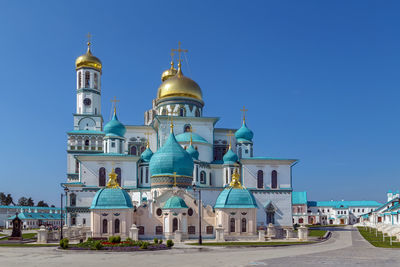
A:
320,79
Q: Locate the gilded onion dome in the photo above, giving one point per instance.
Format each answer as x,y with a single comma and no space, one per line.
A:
171,72
88,60
179,86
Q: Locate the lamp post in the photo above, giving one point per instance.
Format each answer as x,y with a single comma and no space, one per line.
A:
194,189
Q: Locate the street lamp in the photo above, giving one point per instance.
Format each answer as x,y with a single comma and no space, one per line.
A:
194,190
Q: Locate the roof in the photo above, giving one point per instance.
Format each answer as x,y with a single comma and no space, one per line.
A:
185,137
111,198
37,216
299,198
337,204
235,198
175,202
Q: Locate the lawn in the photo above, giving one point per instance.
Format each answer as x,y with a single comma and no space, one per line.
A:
317,233
370,235
251,244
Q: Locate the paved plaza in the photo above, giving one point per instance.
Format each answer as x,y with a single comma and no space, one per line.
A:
345,248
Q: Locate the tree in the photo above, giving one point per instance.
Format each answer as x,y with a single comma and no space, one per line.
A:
30,202
22,201
41,203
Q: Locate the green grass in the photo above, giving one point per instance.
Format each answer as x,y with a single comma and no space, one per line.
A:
370,235
252,244
317,233
28,236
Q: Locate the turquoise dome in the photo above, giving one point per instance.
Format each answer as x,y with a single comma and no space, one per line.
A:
170,158
175,202
185,137
111,198
192,152
146,155
231,198
244,134
114,127
230,157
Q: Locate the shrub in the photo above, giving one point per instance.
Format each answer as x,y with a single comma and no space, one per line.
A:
144,245
170,243
160,241
155,240
114,239
64,243
97,245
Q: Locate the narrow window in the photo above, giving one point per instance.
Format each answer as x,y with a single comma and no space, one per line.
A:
119,177
260,179
102,176
95,81
116,226
274,179
87,79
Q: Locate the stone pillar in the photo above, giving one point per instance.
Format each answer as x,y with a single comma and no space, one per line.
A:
178,236
42,235
134,233
271,231
261,235
303,233
289,233
219,234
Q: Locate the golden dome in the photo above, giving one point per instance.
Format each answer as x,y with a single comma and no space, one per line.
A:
179,85
88,61
169,72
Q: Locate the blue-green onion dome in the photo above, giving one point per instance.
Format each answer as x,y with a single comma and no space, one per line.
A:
111,198
170,158
244,134
175,202
146,155
231,198
114,127
185,137
192,152
230,157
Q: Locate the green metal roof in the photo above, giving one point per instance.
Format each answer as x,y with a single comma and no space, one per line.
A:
299,198
235,198
111,198
175,202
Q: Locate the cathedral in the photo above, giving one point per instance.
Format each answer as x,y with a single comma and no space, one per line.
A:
160,175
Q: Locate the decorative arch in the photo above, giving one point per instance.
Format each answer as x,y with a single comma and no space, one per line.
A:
274,179
102,176
260,179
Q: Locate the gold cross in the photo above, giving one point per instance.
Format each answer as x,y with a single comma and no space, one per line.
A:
174,179
179,50
230,134
244,113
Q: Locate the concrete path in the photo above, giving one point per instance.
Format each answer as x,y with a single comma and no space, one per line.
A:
346,247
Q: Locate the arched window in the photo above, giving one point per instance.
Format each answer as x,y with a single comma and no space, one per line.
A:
210,179
232,225
95,81
119,177
132,151
80,79
244,225
174,225
260,179
87,79
116,226
197,113
102,176
105,226
182,112
72,200
186,128
274,179
240,152
202,177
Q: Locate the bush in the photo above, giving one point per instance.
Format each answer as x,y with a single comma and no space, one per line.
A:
155,240
170,243
97,245
144,245
64,243
160,241
114,239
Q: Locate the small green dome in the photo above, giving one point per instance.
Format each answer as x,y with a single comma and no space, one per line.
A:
170,158
232,198
114,127
111,198
230,157
175,202
244,134
185,137
192,152
146,155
